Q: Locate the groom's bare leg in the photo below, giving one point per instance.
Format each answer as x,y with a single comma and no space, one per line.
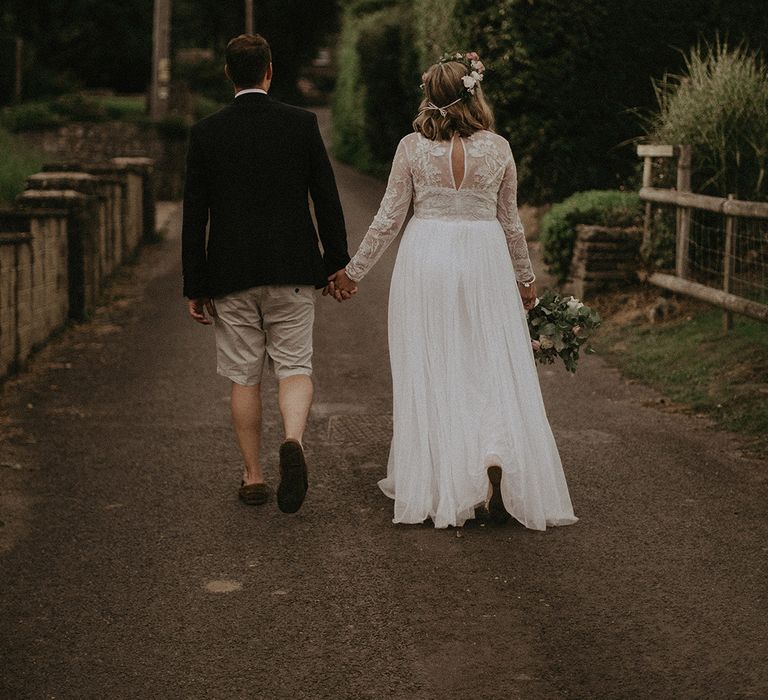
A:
246,418
295,398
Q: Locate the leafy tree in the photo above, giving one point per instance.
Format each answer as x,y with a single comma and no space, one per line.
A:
95,43
109,44
294,28
572,80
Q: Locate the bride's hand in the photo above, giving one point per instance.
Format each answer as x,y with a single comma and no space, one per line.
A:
528,295
340,286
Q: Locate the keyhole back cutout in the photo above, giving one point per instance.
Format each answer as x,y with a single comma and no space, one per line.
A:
458,161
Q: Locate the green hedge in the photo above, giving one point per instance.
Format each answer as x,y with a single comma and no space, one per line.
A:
377,86
435,29
596,207
29,116
571,82
19,161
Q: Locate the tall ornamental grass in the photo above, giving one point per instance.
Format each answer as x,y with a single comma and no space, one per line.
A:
17,162
719,105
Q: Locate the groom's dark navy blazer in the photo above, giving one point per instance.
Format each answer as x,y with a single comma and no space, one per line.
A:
250,168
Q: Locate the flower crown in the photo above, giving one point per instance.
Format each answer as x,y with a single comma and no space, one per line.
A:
475,69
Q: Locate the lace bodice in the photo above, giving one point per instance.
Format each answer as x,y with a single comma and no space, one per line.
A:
422,172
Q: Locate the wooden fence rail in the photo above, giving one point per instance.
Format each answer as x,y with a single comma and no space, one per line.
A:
685,202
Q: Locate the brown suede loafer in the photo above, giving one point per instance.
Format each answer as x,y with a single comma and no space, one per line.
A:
254,494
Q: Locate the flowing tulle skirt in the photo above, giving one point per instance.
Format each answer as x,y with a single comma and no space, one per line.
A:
465,389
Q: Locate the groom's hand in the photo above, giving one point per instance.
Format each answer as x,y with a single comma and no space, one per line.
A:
340,287
197,308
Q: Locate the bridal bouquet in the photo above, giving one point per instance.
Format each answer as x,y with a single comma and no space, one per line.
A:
559,327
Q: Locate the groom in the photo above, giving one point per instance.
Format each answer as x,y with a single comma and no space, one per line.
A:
250,168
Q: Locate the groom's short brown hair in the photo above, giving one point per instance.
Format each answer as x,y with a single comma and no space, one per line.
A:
248,57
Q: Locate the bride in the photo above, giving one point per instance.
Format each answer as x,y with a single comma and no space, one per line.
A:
469,420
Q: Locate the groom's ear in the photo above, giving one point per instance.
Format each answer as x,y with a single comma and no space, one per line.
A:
226,72
268,75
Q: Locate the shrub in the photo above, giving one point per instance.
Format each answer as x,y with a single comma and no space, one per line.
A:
79,108
434,30
205,77
172,128
205,106
596,207
719,106
124,107
19,161
377,87
29,116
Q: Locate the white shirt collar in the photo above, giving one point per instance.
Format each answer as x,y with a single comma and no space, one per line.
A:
247,90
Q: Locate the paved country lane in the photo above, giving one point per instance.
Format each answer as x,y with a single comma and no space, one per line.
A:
130,569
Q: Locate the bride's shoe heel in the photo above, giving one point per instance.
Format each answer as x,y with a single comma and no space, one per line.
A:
496,509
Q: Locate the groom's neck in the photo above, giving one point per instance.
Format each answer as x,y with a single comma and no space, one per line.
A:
260,86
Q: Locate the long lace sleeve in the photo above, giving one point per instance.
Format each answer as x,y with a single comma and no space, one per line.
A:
389,219
509,218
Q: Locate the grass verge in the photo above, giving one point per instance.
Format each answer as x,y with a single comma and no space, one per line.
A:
692,361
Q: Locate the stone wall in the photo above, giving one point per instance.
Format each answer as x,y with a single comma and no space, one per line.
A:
34,282
100,142
70,230
604,258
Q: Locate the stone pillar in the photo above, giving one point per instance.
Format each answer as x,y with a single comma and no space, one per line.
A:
34,282
84,229
108,193
15,299
144,167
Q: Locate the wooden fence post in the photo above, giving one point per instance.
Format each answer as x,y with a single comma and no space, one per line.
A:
683,213
728,264
648,152
647,182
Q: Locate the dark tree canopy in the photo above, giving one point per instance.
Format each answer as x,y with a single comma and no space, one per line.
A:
88,42
571,80
108,44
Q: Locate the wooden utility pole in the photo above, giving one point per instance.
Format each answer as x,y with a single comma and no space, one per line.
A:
249,16
17,83
161,62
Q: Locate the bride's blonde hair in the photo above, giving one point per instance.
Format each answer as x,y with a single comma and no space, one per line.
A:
443,84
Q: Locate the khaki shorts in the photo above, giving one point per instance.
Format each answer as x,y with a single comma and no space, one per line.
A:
263,322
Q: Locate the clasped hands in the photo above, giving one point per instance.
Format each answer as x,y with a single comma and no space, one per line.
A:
340,287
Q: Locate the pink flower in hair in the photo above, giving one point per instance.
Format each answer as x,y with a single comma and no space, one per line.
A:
472,56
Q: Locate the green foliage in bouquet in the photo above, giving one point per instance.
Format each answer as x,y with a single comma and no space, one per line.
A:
560,327
593,207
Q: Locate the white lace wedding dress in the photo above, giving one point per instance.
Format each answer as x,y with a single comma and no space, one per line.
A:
465,389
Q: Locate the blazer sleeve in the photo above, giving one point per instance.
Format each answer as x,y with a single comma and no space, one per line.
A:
325,197
195,221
